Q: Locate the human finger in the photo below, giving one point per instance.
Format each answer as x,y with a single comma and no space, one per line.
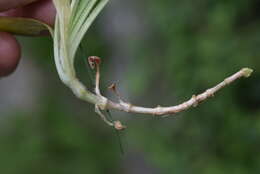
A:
10,53
9,4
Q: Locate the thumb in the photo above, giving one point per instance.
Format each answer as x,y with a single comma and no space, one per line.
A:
8,4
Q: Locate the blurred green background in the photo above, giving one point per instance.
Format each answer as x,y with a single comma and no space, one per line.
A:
159,52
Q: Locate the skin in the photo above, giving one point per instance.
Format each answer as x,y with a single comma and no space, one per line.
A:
10,50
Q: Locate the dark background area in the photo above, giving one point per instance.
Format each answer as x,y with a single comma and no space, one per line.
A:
159,52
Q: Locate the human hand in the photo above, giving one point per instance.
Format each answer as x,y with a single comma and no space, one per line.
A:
10,50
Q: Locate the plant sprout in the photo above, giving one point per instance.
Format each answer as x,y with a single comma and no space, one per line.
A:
73,19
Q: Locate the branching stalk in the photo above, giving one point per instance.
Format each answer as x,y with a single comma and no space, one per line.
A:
73,19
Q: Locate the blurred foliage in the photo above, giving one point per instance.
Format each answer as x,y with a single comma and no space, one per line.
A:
189,46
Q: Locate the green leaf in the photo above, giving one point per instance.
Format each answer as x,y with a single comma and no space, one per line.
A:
73,19
23,26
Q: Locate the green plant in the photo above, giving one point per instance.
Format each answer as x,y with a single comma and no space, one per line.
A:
73,19
72,22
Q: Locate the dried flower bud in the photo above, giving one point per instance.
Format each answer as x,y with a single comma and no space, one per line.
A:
112,87
118,125
93,61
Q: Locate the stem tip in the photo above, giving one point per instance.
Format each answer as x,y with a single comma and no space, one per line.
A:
247,72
